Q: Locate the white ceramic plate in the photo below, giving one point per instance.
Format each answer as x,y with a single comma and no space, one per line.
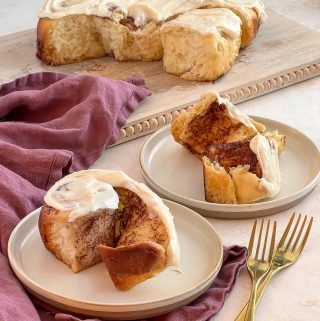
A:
173,172
91,292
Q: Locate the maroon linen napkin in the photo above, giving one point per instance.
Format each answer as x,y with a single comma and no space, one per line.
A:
204,307
50,125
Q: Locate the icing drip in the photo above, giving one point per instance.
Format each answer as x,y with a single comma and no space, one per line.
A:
235,114
267,155
208,21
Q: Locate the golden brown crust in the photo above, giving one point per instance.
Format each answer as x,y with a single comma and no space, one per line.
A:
206,123
59,42
130,265
250,25
132,241
43,51
193,55
218,184
76,38
74,243
247,184
140,252
249,21
232,172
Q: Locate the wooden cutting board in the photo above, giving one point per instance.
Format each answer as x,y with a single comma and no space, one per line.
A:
283,53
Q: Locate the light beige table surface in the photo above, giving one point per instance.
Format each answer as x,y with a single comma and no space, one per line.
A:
294,295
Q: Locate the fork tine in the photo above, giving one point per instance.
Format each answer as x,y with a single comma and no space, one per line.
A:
253,232
259,240
285,233
273,239
293,232
304,240
299,234
265,240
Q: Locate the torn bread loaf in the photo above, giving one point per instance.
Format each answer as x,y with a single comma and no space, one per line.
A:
201,44
240,159
96,215
251,12
212,120
243,172
73,31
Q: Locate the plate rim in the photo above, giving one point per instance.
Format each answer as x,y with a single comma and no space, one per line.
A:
35,287
230,208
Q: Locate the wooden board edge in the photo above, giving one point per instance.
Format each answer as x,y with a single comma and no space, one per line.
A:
237,95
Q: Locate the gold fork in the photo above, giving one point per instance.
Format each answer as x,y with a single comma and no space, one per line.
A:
258,268
284,256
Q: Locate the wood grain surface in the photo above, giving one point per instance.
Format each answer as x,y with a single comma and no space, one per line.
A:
283,53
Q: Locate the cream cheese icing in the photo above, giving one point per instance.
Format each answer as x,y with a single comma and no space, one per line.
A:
208,21
140,11
267,155
56,9
82,196
73,194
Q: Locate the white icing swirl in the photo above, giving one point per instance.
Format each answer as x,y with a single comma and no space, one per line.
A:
256,5
208,21
81,196
141,11
55,9
267,155
79,191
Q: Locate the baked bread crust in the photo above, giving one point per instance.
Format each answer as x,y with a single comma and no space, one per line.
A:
136,241
126,42
68,40
249,21
232,172
208,122
75,38
218,184
74,243
194,55
140,252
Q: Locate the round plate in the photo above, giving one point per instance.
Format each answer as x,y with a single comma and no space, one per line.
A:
91,292
173,172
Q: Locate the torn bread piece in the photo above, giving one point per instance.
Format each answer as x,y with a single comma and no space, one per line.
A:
201,44
251,12
250,168
212,120
96,215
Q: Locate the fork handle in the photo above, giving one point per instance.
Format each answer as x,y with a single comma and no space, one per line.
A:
241,316
252,303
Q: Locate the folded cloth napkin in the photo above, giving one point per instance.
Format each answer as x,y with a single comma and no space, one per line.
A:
50,125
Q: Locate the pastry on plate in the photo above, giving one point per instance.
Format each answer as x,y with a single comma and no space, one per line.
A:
212,120
96,215
201,44
240,159
243,172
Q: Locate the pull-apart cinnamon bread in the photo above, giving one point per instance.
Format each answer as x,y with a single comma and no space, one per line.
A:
240,159
201,44
96,215
73,31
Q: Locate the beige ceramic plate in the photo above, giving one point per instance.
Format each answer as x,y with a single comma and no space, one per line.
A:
173,172
91,292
